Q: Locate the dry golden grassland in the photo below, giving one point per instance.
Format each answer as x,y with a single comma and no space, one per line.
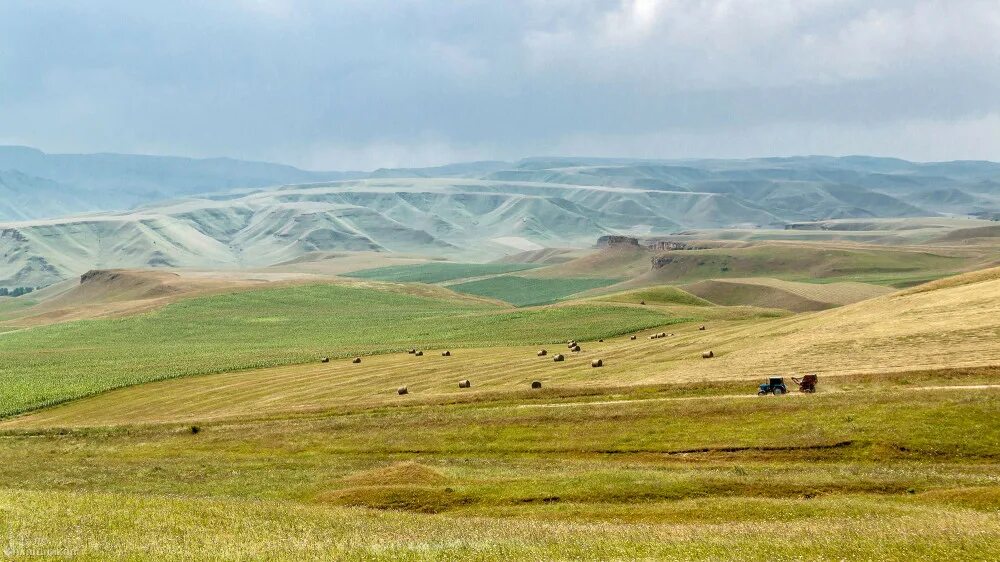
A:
789,295
886,466
955,326
660,454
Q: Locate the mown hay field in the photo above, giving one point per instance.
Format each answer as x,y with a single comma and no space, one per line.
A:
255,329
954,326
891,470
659,454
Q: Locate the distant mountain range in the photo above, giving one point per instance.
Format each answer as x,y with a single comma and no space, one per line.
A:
121,181
222,212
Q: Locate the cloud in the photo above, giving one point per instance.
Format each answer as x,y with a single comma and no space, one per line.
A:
367,83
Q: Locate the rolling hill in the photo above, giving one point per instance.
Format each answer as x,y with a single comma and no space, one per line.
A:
246,214
954,323
452,218
657,454
788,295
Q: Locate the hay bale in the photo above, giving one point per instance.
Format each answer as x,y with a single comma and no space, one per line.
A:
536,384
597,363
558,357
356,360
464,384
631,337
324,359
402,390
445,354
542,353
707,355
642,302
575,349
601,340
661,335
653,337
701,328
412,351
419,353
571,345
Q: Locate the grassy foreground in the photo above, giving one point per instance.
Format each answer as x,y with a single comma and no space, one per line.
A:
884,472
46,365
327,461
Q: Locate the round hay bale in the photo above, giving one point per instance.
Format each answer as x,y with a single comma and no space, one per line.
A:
571,345
575,349
707,355
652,337
631,337
597,363
356,360
445,354
542,353
558,357
402,390
464,384
642,302
324,359
412,351
701,328
419,353
600,340
536,384
661,335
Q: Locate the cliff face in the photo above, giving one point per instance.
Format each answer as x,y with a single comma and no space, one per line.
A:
668,245
617,241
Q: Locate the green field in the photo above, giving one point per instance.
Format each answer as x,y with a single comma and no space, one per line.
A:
47,365
529,291
685,472
437,272
664,294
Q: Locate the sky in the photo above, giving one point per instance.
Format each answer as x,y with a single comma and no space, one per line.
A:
362,84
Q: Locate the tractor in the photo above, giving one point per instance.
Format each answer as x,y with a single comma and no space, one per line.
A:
774,385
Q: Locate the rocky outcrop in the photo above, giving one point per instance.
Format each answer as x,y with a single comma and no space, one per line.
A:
662,261
617,241
664,245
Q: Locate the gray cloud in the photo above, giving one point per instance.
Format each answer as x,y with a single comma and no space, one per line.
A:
366,83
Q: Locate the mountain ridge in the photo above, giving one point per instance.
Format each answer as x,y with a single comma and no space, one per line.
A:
231,213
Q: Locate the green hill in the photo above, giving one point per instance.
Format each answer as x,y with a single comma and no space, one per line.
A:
657,295
436,272
527,291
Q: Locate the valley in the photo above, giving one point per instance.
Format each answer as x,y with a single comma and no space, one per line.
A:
278,367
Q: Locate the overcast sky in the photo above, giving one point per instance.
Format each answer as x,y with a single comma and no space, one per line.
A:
359,84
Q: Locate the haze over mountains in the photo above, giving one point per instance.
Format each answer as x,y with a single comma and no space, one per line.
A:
148,211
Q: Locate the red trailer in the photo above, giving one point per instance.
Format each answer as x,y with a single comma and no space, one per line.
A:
806,383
